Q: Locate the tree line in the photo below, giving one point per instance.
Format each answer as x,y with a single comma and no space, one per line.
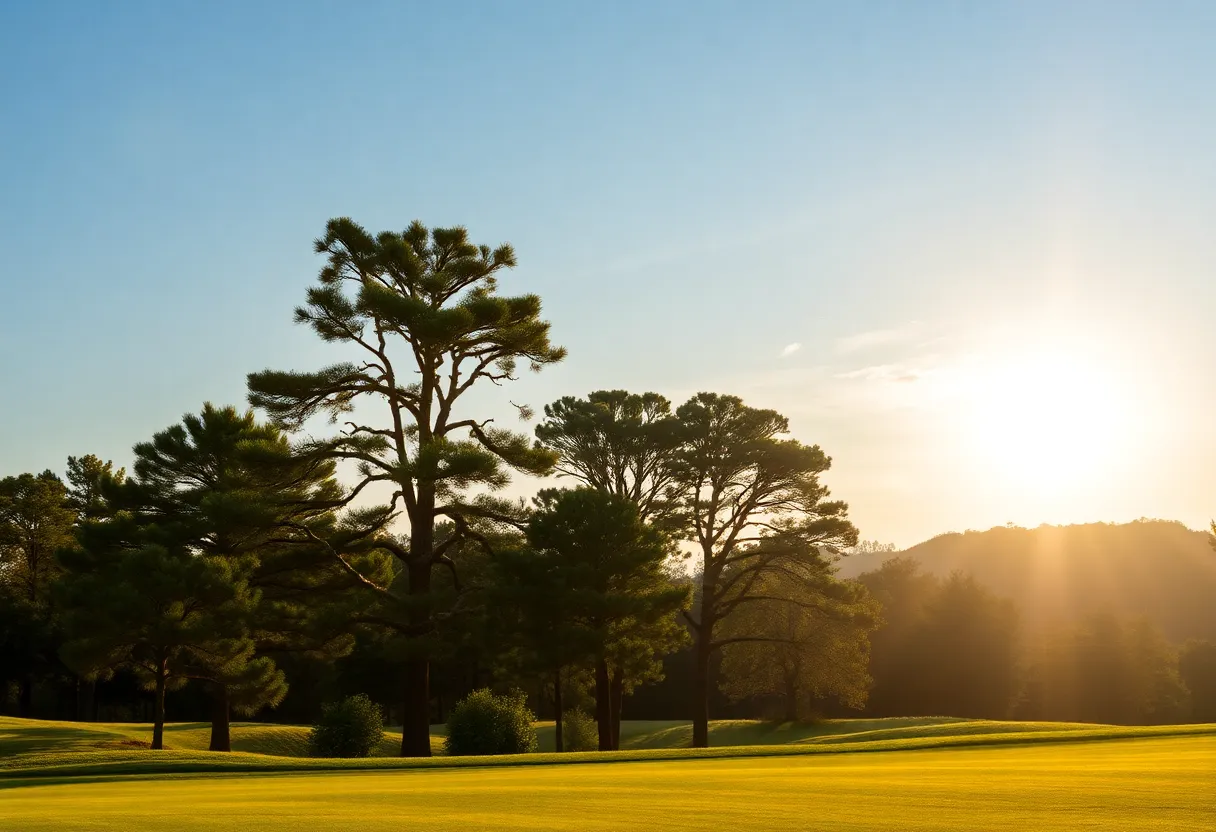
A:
689,559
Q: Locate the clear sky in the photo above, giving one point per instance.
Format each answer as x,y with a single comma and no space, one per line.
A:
966,247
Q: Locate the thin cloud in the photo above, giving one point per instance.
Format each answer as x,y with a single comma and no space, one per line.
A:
878,337
790,349
882,372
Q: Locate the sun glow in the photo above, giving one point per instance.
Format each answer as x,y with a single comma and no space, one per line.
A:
1054,419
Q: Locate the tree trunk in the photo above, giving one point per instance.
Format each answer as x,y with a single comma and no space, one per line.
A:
221,733
701,683
603,705
557,711
616,693
416,720
158,719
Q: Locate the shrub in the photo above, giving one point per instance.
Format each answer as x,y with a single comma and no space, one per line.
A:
487,723
353,727
579,731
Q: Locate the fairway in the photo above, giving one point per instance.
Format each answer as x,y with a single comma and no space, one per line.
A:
1132,784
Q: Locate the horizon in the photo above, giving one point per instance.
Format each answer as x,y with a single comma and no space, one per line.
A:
962,250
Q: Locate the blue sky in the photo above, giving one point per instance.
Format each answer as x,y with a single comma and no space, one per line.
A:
986,226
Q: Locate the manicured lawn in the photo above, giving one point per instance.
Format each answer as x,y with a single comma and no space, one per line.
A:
1116,784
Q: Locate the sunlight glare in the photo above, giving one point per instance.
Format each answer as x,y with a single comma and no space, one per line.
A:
1051,419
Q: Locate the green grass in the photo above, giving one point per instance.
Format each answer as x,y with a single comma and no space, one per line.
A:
929,774
1166,783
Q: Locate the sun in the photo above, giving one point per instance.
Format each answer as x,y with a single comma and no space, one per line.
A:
1052,419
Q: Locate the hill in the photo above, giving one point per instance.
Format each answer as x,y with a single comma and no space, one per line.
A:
1153,568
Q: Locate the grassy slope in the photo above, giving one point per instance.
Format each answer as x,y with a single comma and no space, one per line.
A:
1140,784
31,748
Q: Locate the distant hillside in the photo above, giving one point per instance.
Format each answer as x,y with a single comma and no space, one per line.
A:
1155,568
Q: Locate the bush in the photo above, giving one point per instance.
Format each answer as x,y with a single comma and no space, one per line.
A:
486,723
353,727
579,731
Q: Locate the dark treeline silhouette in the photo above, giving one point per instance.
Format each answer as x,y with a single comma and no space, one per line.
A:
691,568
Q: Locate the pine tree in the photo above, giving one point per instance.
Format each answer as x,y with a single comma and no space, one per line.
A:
623,444
619,443
420,313
225,486
753,504
613,595
90,482
133,602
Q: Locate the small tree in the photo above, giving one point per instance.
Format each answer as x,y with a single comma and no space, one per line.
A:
580,732
425,326
808,645
488,723
90,486
353,727
151,609
223,485
608,568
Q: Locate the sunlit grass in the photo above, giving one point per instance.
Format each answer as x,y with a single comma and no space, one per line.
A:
32,748
1117,784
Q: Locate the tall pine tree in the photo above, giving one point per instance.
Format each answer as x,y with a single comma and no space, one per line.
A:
421,316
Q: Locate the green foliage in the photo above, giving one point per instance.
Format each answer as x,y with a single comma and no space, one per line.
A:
350,728
154,610
91,485
35,522
579,731
223,484
488,723
607,590
616,442
803,639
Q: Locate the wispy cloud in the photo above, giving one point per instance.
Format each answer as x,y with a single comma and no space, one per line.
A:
883,372
790,349
878,337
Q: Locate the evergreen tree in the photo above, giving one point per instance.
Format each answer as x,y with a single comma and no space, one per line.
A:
90,482
753,504
224,486
623,444
426,326
617,442
133,602
600,573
